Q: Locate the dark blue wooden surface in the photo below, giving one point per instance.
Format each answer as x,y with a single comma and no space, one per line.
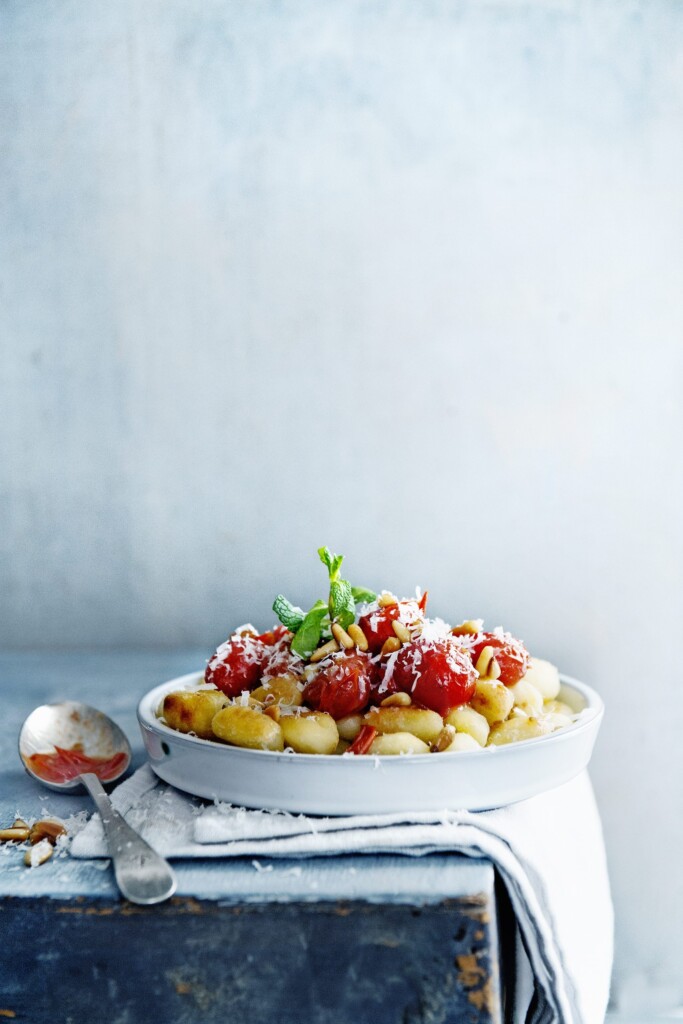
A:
326,941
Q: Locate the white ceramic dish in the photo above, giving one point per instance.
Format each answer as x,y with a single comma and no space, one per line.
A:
333,785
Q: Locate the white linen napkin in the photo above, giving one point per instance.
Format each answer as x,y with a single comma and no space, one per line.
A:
548,851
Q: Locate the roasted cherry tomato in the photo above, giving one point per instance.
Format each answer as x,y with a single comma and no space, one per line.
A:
237,664
378,625
275,635
436,673
279,660
342,685
383,683
511,655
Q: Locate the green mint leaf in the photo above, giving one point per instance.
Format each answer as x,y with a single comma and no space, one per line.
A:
333,562
363,596
325,556
307,636
342,604
288,613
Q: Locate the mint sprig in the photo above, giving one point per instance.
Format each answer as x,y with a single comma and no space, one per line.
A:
307,636
341,603
315,624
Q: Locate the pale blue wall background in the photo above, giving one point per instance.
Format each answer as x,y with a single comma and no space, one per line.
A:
403,278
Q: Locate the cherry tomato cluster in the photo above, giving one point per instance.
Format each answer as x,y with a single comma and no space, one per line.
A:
434,666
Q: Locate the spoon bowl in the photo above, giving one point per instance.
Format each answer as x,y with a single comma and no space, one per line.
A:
92,749
70,724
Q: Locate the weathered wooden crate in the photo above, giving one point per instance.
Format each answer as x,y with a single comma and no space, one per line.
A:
399,951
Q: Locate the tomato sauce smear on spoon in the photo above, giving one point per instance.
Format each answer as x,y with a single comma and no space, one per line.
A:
65,765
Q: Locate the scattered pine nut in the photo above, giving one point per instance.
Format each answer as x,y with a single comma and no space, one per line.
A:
402,632
48,828
341,636
444,739
396,700
358,637
14,835
331,647
391,645
484,662
385,599
20,823
39,853
273,711
468,627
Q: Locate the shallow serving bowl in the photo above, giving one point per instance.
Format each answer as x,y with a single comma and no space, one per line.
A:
331,785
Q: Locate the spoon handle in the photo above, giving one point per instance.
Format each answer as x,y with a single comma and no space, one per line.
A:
143,876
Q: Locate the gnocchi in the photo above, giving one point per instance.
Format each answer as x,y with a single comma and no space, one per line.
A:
247,727
193,712
467,721
280,690
493,700
424,724
313,732
398,743
365,674
461,741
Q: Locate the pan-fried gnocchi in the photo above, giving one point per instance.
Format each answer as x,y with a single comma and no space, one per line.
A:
398,743
193,712
247,727
273,718
311,732
420,722
367,674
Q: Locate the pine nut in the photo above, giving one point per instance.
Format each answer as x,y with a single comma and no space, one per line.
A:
273,712
20,823
14,835
358,637
391,645
396,700
401,631
385,599
38,854
484,661
331,647
341,636
444,739
468,627
494,669
49,829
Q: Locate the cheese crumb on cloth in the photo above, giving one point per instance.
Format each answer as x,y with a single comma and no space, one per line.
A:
548,851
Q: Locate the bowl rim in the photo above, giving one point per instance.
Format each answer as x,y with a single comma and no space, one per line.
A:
589,717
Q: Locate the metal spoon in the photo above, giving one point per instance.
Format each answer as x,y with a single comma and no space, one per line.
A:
142,875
